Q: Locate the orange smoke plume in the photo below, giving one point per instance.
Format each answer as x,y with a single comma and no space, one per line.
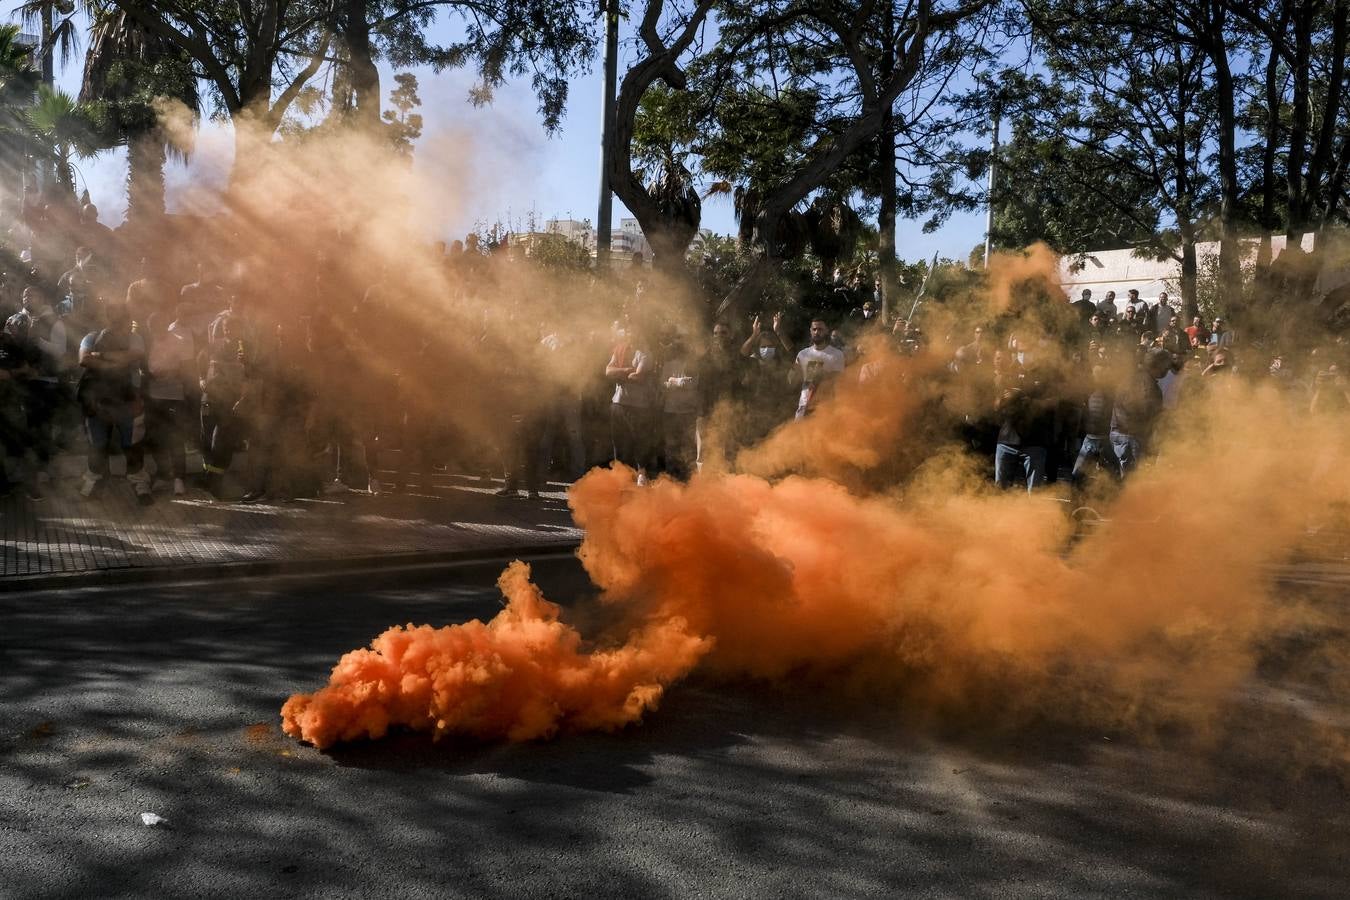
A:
523,675
971,599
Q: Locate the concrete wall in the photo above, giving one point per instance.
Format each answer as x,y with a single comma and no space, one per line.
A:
1121,270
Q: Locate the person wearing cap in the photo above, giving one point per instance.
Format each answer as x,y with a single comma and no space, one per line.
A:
1221,336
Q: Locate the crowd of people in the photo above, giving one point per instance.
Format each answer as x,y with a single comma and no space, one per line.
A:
317,371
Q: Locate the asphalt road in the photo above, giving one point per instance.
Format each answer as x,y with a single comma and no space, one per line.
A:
119,701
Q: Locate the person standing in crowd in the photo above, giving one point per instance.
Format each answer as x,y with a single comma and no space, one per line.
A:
975,349
1173,381
1096,429
1085,306
113,361
1197,332
722,378
814,368
17,365
1025,431
199,302
1141,309
1106,307
171,388
1096,328
1162,312
224,368
770,353
1220,337
680,393
1174,339
1136,410
44,399
632,409
560,420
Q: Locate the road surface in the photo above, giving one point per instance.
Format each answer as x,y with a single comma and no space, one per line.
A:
120,701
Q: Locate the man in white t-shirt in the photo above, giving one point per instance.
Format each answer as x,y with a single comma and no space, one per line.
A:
815,366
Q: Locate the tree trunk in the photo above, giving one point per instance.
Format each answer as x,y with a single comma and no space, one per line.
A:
48,51
1322,161
1272,137
252,123
1336,184
145,177
364,76
251,141
1298,128
1181,154
886,261
1190,303
1230,270
748,288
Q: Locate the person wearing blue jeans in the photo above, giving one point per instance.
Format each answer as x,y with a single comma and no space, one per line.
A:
1014,465
1137,409
1097,446
1025,426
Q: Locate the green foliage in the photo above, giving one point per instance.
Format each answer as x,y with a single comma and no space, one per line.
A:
405,126
65,129
554,252
128,71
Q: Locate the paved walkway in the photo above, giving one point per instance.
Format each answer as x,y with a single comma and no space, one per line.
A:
66,535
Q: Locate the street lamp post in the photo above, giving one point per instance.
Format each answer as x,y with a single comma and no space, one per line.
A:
989,200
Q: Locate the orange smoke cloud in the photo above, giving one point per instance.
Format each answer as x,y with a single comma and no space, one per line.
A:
965,596
871,421
523,675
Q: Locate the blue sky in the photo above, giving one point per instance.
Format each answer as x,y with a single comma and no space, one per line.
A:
515,170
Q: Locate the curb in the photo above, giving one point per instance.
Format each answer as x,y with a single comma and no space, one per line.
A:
196,572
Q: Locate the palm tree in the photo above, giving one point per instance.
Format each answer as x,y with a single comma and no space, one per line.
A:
128,74
64,130
18,81
56,22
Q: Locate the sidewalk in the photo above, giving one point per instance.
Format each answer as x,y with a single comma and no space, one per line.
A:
66,536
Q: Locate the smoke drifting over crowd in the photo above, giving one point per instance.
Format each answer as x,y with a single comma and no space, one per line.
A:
862,543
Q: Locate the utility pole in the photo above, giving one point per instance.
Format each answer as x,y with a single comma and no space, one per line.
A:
605,215
989,200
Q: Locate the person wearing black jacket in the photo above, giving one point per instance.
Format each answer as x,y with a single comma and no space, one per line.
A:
1026,420
113,361
1137,408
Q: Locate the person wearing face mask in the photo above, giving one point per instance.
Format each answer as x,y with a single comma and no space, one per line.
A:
770,351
